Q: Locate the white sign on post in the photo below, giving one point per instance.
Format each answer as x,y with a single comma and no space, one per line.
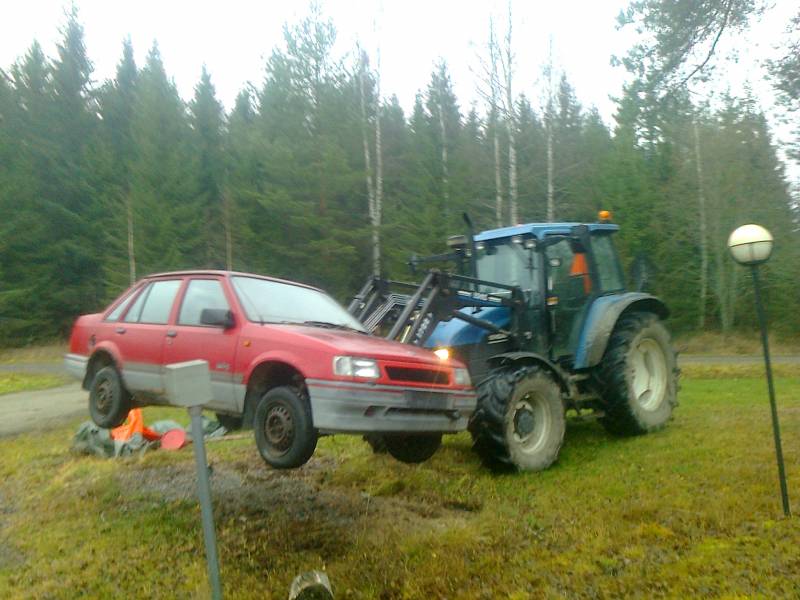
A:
188,383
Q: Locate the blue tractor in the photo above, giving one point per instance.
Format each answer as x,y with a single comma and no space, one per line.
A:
541,315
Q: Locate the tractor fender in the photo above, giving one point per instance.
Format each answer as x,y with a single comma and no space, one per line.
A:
531,358
602,318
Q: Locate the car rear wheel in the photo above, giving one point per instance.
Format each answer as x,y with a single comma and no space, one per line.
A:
284,430
412,448
109,401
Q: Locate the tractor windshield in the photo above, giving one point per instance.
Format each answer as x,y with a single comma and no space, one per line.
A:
508,263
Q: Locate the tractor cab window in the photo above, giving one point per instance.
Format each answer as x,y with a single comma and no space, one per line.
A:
569,287
508,263
609,273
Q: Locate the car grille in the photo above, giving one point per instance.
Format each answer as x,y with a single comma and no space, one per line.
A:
409,374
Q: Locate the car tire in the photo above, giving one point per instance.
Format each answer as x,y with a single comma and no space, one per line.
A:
229,422
412,448
376,442
109,401
638,377
284,429
519,423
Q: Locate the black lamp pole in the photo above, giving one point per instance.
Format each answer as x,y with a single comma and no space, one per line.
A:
776,430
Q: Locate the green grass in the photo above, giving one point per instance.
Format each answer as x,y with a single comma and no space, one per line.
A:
686,512
52,352
24,382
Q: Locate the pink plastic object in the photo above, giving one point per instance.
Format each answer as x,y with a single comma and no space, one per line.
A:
174,439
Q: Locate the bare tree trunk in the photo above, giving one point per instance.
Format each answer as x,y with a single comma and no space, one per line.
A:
445,171
551,201
378,214
494,85
226,216
701,321
131,249
368,164
498,180
511,124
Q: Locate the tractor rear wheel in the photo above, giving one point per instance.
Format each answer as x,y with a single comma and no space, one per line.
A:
519,422
638,376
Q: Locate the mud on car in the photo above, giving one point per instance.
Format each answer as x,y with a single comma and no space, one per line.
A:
283,357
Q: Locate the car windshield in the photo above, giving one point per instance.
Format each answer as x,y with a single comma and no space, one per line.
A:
266,301
507,263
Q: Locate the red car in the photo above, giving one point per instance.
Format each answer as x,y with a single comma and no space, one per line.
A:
283,356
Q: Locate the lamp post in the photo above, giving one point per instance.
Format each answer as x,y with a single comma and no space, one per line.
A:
751,246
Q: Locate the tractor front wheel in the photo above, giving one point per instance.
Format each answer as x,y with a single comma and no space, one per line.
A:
519,422
638,376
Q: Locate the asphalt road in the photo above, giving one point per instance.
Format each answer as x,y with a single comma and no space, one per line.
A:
31,411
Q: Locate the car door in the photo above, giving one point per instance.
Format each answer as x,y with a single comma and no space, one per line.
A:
189,339
140,335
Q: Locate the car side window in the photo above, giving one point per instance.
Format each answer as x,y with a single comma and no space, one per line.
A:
158,304
201,294
133,314
115,314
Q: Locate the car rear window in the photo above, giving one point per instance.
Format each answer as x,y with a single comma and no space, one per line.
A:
115,314
153,305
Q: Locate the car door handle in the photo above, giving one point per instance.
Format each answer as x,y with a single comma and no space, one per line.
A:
120,330
172,334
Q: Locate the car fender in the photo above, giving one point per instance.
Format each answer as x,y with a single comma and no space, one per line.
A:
601,319
282,356
531,358
106,347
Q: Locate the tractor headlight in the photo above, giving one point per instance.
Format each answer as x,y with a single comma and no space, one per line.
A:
461,377
350,366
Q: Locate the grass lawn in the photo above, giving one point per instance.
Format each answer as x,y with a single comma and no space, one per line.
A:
689,511
22,382
40,353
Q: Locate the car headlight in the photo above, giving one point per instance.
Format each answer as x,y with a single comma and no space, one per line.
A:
350,366
461,377
442,353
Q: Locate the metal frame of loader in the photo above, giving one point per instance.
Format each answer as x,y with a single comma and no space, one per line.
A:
440,295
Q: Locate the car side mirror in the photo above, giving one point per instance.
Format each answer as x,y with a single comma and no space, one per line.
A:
217,317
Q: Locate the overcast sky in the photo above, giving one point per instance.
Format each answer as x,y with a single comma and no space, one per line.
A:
234,37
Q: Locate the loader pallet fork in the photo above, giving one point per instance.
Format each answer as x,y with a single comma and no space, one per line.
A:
438,298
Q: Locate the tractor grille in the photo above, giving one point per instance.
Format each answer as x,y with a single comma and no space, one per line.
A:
418,375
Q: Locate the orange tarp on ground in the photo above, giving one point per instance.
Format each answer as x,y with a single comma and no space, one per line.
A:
133,424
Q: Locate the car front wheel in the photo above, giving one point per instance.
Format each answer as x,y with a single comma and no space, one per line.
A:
284,430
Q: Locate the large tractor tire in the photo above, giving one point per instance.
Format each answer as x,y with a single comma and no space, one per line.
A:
519,422
638,376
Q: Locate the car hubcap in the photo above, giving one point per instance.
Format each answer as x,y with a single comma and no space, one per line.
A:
105,397
279,428
530,423
649,374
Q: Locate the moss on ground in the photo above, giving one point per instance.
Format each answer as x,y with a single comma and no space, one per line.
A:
686,512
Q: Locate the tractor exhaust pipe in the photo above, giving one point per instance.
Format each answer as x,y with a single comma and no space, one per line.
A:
471,240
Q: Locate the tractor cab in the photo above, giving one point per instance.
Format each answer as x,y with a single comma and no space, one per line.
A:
560,268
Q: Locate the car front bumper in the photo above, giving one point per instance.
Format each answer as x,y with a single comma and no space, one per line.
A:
354,407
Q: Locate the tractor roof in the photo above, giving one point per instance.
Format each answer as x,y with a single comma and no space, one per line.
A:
540,230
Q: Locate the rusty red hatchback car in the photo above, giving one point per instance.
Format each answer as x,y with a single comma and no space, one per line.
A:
283,356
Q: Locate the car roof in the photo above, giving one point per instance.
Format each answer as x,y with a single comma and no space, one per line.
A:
220,273
540,230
